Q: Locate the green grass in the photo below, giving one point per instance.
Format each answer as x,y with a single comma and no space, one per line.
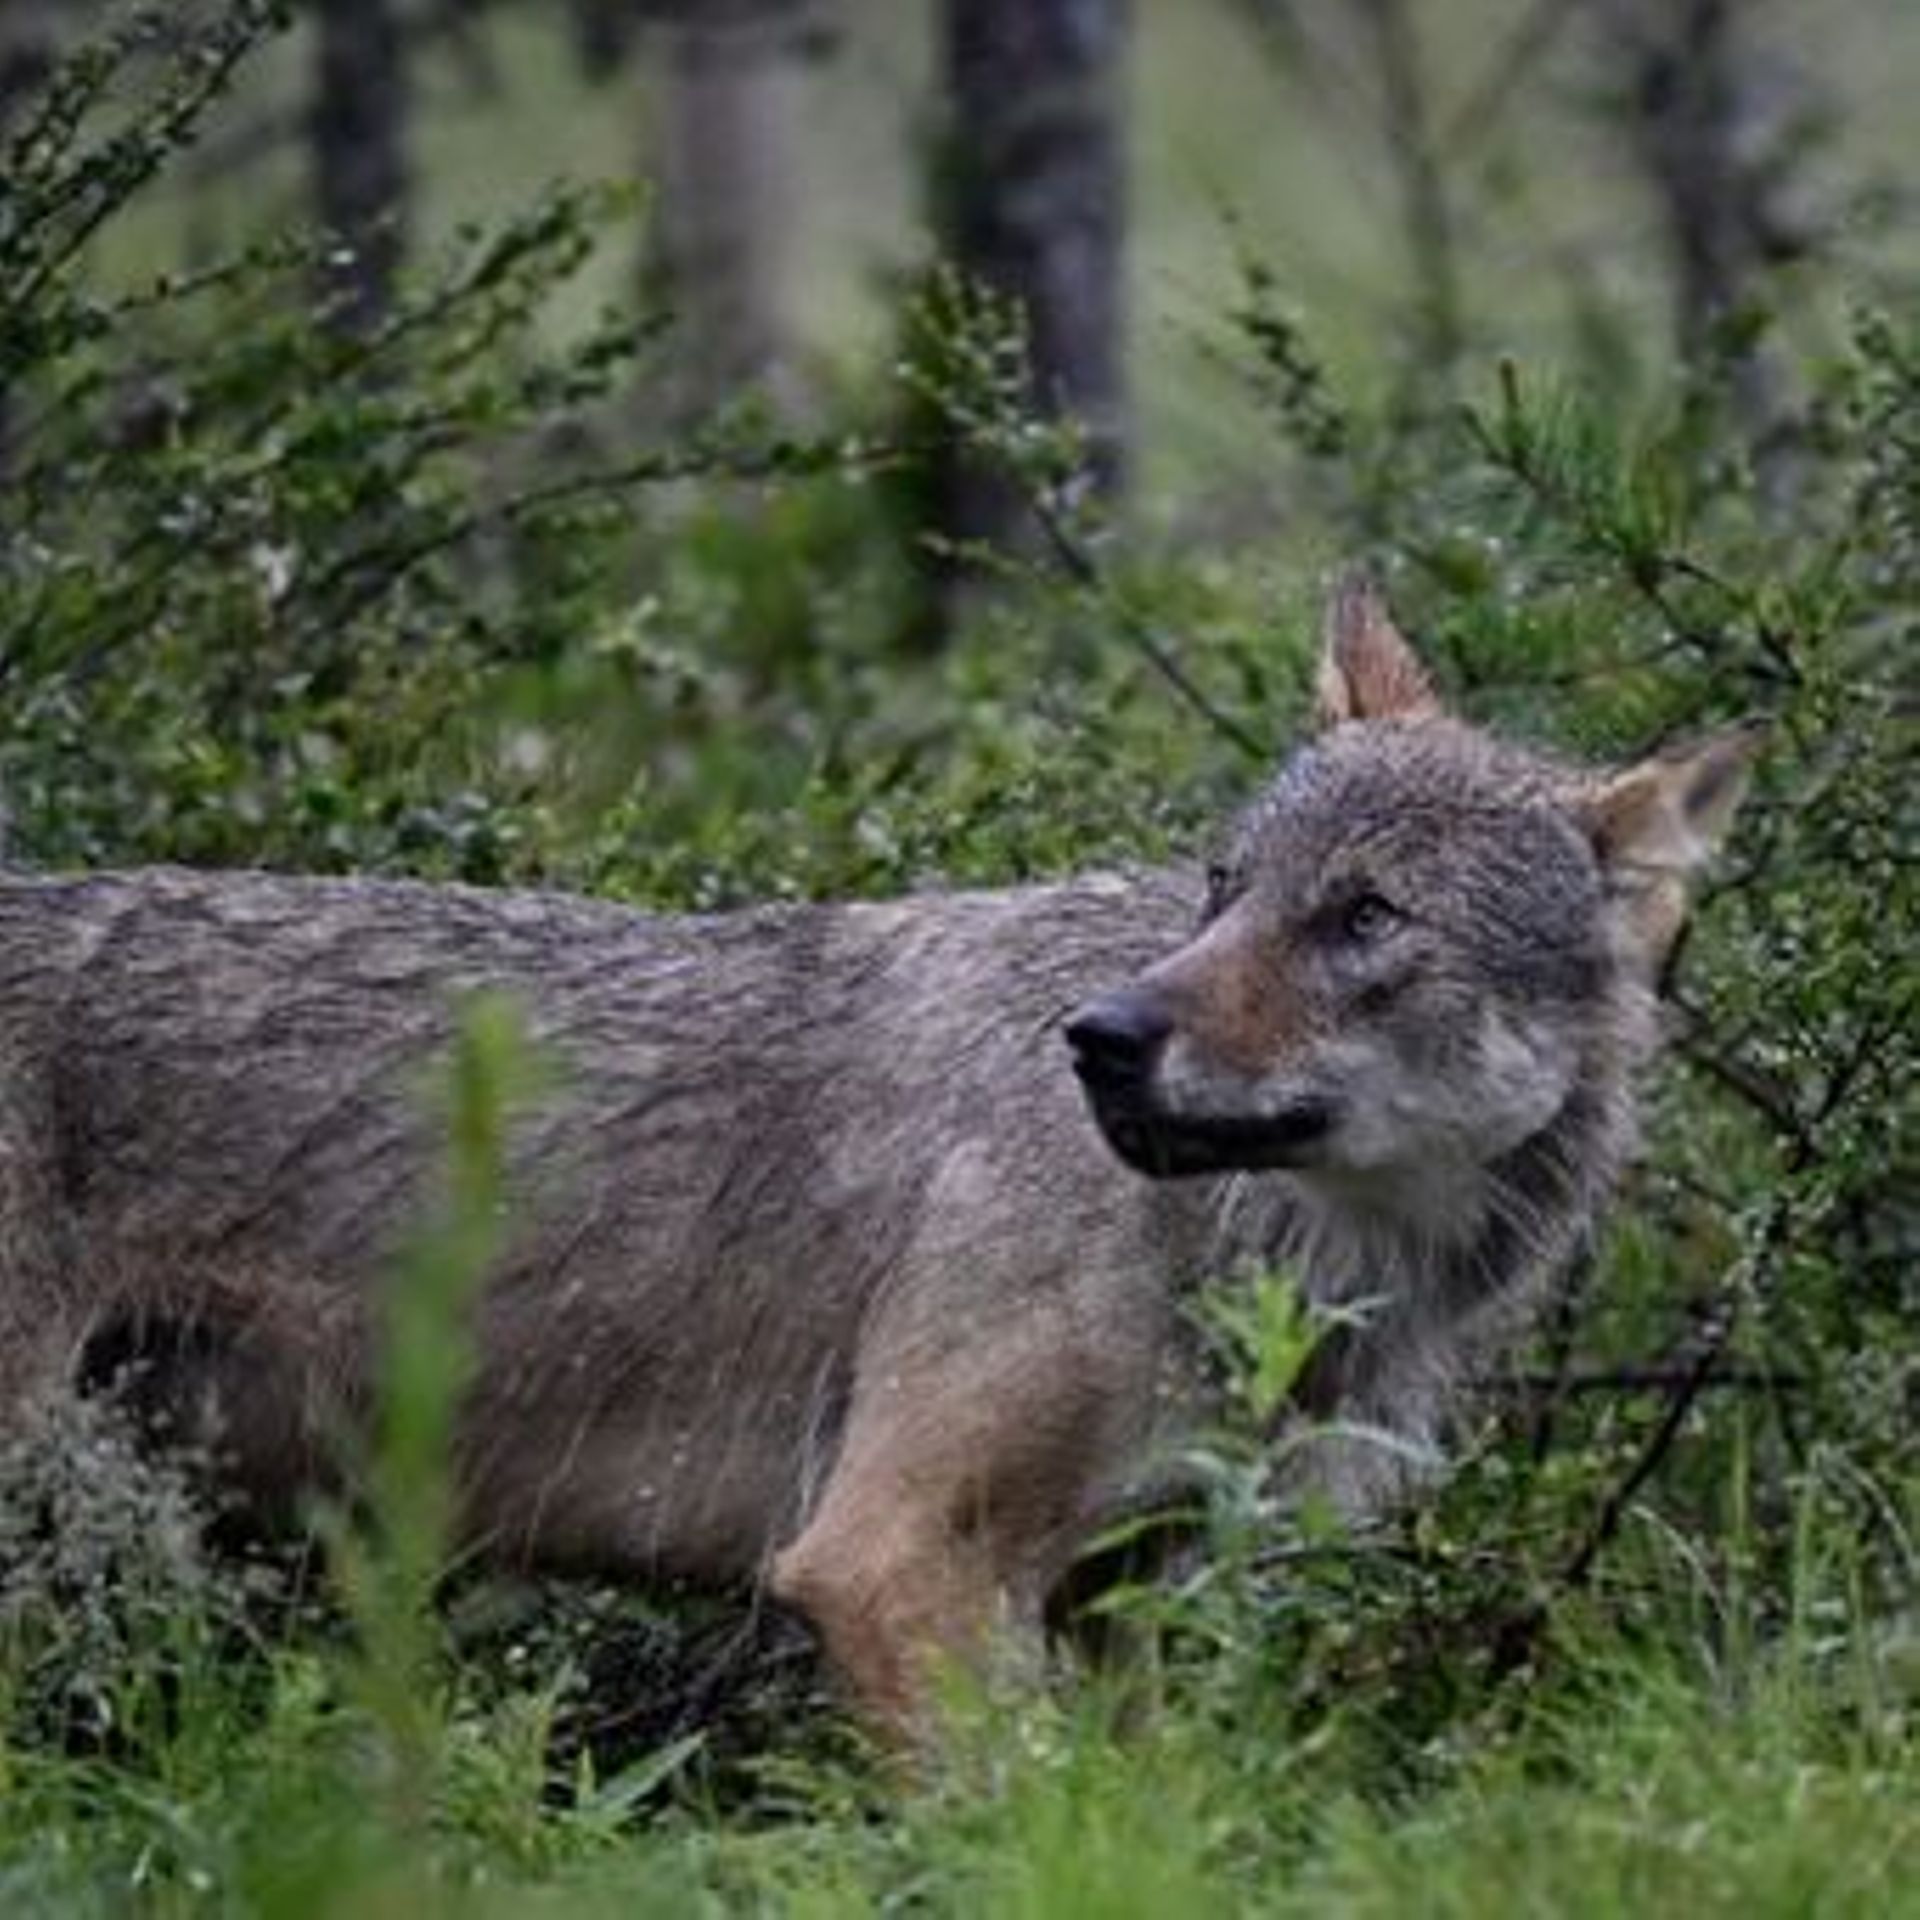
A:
1726,1720
1655,1795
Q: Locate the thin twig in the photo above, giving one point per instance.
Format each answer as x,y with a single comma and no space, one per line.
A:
1632,1380
1694,1366
1570,1297
1085,572
1772,1101
1691,1381
1487,101
1516,1639
382,567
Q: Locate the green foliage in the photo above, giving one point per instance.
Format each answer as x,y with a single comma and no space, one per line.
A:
266,583
103,1592
413,601
1267,1334
390,1569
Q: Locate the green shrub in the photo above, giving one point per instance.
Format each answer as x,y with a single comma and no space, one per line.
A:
268,594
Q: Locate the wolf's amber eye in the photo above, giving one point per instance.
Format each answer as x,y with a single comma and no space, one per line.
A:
1369,917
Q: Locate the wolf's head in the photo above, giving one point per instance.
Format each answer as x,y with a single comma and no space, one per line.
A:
1420,942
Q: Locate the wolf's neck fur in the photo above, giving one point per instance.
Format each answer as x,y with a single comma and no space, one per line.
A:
1423,1280
1458,1238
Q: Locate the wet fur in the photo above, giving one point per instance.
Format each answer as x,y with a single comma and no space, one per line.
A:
820,1273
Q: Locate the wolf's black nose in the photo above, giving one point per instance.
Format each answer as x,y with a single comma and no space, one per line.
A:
1117,1036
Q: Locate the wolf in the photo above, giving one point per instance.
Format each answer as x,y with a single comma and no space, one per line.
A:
850,1254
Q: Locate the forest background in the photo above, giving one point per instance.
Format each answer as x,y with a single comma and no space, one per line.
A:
705,453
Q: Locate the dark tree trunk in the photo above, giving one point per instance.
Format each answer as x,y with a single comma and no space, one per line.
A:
1033,187
359,131
28,45
26,52
1707,121
603,34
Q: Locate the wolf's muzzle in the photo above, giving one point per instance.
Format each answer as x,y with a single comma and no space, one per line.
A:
1117,1041
1171,1147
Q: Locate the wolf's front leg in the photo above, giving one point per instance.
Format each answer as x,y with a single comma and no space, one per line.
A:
963,1487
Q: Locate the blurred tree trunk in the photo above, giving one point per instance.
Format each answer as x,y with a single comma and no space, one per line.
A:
731,94
28,45
603,33
1426,206
1032,204
1709,125
359,143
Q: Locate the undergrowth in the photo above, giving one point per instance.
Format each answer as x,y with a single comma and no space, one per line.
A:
415,603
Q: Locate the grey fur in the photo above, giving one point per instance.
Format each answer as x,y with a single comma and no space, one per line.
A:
818,1266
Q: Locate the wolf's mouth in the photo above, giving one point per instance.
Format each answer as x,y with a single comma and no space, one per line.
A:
1116,1045
1168,1146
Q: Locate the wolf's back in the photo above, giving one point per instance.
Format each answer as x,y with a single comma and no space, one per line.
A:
218,1116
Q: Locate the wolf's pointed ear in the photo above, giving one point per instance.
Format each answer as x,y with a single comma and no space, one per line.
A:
1654,824
1367,670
